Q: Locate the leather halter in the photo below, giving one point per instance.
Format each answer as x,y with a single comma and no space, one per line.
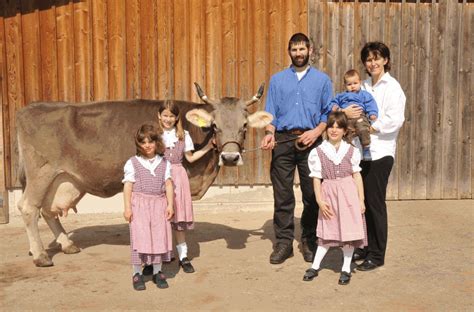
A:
235,142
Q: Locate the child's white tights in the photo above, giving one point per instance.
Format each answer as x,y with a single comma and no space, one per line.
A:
182,250
322,250
347,250
138,268
320,253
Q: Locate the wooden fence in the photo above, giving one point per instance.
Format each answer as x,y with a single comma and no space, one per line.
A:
431,45
81,51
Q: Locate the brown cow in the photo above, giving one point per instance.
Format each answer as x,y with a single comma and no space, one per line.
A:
67,150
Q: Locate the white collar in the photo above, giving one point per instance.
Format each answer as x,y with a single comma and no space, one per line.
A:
385,78
170,137
334,155
150,164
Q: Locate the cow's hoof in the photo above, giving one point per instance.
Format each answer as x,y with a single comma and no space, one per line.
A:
43,261
71,249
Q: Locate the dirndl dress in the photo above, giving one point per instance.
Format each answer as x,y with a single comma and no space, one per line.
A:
150,231
183,206
347,225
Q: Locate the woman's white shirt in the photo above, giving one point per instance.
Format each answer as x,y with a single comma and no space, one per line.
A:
149,164
391,100
170,139
336,156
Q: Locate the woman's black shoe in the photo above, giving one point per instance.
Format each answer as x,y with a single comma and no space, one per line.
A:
310,274
367,265
345,278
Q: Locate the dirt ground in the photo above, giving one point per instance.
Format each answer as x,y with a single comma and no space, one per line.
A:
429,267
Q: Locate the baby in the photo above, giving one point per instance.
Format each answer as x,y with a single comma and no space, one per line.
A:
362,98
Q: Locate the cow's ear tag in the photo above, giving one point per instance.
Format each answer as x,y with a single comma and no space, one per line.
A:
200,121
199,117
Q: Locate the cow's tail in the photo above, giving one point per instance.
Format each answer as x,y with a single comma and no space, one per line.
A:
21,168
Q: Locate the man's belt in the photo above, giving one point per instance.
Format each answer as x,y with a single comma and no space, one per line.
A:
294,131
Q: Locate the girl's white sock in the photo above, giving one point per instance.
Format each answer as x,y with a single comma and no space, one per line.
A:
182,250
137,269
347,251
320,253
156,268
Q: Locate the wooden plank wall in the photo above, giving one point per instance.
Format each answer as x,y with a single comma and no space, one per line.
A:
91,50
81,51
431,44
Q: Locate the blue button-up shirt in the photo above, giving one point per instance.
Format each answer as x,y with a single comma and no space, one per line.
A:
361,98
299,104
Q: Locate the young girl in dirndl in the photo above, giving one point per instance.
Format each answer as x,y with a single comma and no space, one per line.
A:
148,206
340,197
179,145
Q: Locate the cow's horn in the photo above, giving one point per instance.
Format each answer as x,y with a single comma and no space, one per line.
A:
257,96
201,94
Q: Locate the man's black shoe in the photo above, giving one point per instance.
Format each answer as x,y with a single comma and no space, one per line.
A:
359,254
308,249
367,265
280,253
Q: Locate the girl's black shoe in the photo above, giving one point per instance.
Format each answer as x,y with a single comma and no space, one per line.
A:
310,274
138,283
186,265
160,280
345,278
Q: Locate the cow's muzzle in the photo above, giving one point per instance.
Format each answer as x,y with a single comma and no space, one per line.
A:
230,159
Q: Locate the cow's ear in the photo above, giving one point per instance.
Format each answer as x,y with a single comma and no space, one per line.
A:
259,119
200,118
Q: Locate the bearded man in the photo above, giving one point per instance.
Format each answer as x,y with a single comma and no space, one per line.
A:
298,98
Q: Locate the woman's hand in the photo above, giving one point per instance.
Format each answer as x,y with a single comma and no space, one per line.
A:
169,212
353,111
325,209
127,214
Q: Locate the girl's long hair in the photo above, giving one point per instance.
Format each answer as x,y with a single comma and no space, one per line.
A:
174,109
148,131
341,120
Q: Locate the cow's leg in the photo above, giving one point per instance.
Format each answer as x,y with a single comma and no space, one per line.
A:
67,245
30,213
62,196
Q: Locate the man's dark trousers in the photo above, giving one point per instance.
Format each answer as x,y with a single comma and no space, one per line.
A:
285,159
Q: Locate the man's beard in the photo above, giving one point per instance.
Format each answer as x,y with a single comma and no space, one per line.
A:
298,62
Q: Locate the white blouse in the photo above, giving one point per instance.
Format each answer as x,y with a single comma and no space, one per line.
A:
335,156
149,164
170,138
390,99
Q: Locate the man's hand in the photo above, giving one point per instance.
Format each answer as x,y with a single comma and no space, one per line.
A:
309,137
268,142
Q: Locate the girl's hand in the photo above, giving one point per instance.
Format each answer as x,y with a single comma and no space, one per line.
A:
127,214
325,209
169,212
362,207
